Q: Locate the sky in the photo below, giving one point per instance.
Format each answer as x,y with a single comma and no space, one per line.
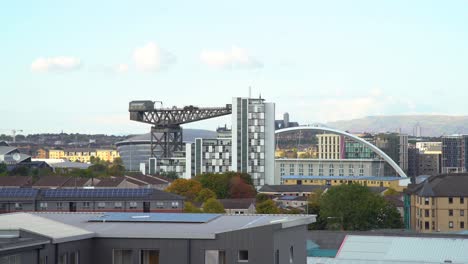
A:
74,66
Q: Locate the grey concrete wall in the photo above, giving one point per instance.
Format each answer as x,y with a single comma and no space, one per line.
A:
294,237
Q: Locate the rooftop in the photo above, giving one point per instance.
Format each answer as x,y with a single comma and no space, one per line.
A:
291,188
347,178
72,226
444,185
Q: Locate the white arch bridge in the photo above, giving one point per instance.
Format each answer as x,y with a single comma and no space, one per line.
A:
378,151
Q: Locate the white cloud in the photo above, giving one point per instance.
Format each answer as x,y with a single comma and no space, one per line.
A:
121,68
233,58
152,58
57,64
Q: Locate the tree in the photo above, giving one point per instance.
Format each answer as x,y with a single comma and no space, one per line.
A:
239,189
116,170
355,207
188,188
204,195
190,208
218,183
391,191
117,161
3,168
267,207
313,207
170,174
261,197
213,206
98,170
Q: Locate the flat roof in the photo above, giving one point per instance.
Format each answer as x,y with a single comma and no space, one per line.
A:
207,230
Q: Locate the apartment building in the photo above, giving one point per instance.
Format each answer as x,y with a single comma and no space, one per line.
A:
330,146
439,204
83,154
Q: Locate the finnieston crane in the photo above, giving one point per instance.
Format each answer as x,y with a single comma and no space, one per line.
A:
166,131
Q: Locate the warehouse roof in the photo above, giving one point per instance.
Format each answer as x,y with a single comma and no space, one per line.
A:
391,249
57,231
207,230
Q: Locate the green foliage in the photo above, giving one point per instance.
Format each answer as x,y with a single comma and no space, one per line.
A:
218,183
170,174
204,195
267,207
391,191
190,208
355,207
213,206
261,197
116,170
188,188
3,169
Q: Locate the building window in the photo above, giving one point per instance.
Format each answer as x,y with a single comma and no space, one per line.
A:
159,205
149,256
122,256
86,205
101,205
426,225
243,256
18,206
462,200
59,206
450,212
462,224
133,205
426,201
118,205
215,257
462,212
433,225
43,205
175,204
74,257
450,224
426,213
277,257
42,260
63,259
12,259
291,255
450,200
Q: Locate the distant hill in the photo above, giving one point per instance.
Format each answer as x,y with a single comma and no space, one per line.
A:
431,125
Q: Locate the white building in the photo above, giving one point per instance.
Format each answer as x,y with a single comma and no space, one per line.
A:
253,139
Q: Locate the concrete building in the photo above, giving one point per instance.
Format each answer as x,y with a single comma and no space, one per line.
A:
454,157
208,156
253,139
328,167
429,147
439,204
357,150
395,145
129,238
429,164
291,190
83,154
413,162
330,146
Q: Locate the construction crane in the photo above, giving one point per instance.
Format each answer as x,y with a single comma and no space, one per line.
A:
166,132
13,133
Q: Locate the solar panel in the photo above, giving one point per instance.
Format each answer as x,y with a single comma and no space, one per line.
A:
101,193
155,217
18,192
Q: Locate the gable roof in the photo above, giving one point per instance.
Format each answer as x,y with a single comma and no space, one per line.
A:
244,203
444,185
51,181
15,181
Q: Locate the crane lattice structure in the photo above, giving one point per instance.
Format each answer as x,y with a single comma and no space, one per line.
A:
166,132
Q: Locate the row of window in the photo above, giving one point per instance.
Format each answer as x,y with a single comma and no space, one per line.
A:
450,225
100,205
427,200
419,212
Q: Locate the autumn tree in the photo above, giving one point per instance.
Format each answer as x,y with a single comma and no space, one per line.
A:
239,189
261,197
188,188
190,208
213,206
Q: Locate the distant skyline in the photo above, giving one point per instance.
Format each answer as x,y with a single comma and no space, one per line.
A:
75,66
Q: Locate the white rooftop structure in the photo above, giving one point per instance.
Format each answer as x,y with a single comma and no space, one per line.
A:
402,250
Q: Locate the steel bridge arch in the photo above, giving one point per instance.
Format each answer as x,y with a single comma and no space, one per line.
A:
358,139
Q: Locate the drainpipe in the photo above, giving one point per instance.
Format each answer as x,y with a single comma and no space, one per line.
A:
189,251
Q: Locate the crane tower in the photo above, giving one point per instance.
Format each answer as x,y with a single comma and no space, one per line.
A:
166,130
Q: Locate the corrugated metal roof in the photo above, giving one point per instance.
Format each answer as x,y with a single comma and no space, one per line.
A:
404,249
57,231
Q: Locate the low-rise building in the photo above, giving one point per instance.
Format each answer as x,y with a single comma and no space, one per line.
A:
83,154
287,201
238,206
291,190
439,204
130,238
396,183
89,200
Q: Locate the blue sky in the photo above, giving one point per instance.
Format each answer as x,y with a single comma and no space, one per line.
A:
75,66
